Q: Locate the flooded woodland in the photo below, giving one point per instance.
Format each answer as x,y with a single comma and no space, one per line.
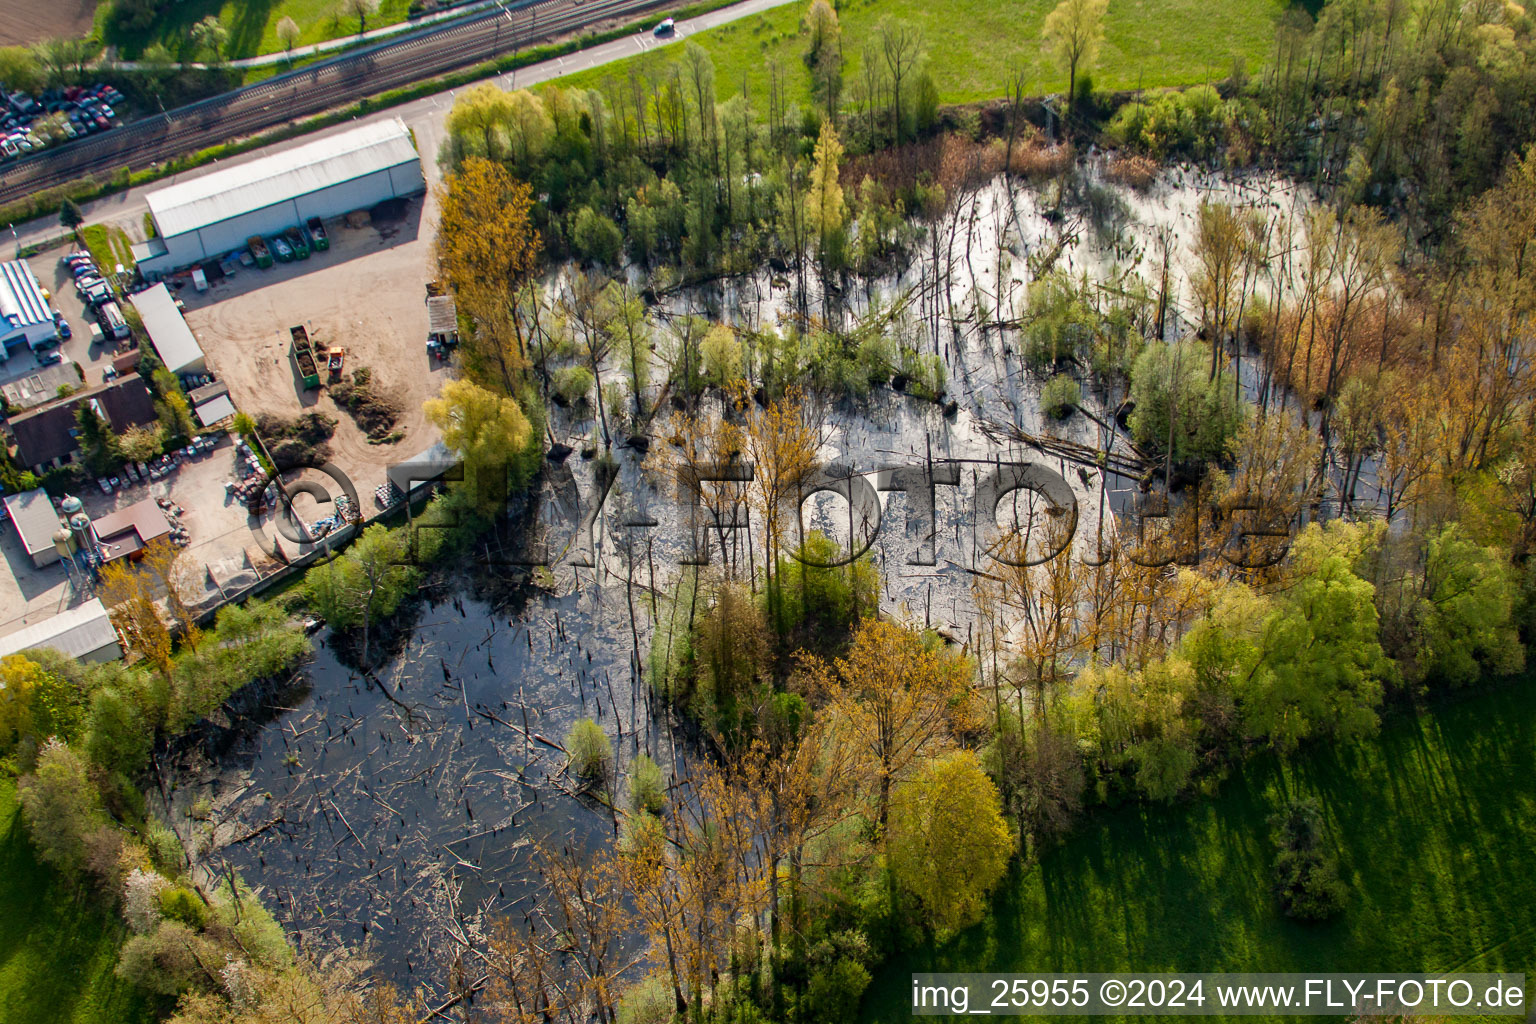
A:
396,818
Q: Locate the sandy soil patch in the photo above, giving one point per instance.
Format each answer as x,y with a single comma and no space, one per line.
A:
367,295
23,22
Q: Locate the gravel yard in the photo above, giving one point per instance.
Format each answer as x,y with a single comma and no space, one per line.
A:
366,295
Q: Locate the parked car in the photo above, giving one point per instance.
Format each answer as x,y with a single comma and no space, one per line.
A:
50,357
65,331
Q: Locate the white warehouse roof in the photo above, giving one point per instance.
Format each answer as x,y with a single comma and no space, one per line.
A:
174,341
79,632
21,297
238,190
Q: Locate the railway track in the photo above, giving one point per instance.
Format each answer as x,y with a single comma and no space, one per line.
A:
309,91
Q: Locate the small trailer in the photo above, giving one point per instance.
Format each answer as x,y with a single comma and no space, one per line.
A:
259,251
303,354
334,359
317,234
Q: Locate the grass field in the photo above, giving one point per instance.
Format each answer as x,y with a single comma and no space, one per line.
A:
252,25
1436,825
974,44
57,950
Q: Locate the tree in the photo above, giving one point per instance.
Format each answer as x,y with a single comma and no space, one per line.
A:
1179,408
895,700
899,47
70,214
597,238
140,444
209,36
1074,30
359,9
1461,616
35,702
19,69
117,737
720,354
486,249
1306,870
130,594
948,844
489,432
482,111
824,207
364,585
61,806
287,34
588,748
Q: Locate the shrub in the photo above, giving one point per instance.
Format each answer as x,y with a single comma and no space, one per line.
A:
833,994
1133,171
572,384
166,960
1173,382
1059,397
141,900
588,749
1306,872
179,903
597,238
647,788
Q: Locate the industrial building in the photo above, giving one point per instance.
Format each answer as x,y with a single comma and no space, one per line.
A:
208,218
168,332
84,633
25,316
130,530
35,521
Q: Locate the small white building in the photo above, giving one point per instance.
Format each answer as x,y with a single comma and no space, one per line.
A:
85,633
173,340
208,217
25,315
35,521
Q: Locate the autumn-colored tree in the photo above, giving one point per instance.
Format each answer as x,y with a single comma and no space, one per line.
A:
948,844
824,197
896,700
176,573
486,249
130,593
781,443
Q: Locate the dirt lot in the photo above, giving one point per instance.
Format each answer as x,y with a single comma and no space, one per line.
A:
367,295
23,22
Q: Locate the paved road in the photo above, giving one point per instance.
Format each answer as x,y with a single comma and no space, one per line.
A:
425,115
311,90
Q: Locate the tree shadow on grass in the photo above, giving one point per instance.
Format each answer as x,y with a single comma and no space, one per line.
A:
1435,822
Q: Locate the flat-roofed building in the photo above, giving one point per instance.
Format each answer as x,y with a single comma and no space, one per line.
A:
126,532
168,332
35,521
